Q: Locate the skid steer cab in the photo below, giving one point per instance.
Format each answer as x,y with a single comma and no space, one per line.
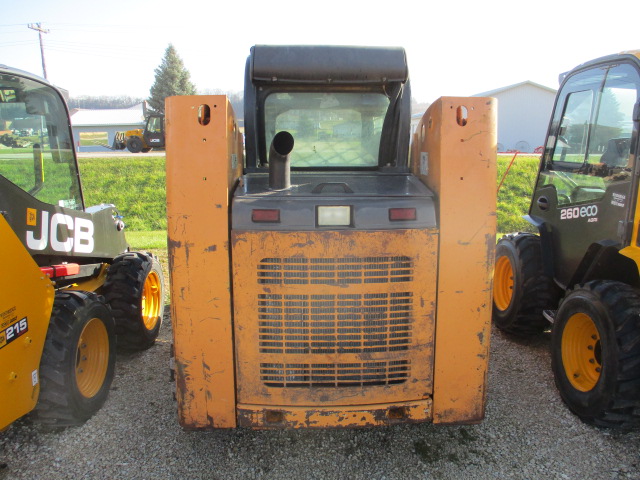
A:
318,281
70,286
581,271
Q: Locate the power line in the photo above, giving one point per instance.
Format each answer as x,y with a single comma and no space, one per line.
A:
89,53
14,43
125,49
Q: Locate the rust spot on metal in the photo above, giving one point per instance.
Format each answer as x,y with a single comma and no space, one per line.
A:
338,416
273,416
235,239
397,413
181,382
303,245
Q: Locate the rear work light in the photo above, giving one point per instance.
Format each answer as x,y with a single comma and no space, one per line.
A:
265,215
402,214
334,216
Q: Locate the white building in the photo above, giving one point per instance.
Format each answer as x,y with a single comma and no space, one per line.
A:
94,128
524,110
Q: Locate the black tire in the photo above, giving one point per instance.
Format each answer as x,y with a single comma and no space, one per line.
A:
521,291
134,144
134,288
596,353
78,360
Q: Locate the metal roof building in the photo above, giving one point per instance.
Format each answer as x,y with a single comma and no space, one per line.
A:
94,128
524,110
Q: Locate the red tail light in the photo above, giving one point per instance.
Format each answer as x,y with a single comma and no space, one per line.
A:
265,215
400,214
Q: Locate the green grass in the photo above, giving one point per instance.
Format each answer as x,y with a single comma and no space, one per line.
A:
156,243
136,185
150,240
53,175
514,196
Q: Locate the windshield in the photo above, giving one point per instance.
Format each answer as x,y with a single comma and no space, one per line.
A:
329,129
155,124
35,145
595,125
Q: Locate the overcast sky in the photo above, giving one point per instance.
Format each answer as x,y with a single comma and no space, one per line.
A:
453,47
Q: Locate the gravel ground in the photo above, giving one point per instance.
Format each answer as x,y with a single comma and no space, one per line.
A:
527,433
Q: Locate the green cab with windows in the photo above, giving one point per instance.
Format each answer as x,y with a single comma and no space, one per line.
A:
584,190
581,272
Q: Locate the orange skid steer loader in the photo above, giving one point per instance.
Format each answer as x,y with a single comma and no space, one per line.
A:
334,276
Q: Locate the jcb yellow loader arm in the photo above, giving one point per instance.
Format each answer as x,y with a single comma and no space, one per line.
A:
27,300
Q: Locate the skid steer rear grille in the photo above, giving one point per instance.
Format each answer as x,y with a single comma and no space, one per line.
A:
345,323
335,375
334,271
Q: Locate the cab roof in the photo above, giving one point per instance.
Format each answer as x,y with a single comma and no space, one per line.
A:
633,55
327,64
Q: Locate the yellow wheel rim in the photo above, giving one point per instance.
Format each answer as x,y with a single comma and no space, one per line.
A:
503,283
581,353
151,301
92,358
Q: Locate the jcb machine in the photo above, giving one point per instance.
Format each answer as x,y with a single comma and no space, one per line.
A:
325,280
142,140
581,271
69,285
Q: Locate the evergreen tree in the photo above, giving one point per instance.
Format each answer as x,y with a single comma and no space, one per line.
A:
172,78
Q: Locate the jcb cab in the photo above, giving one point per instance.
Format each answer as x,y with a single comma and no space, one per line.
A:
581,271
69,286
323,280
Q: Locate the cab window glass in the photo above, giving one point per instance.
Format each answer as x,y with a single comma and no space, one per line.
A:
35,143
340,129
155,125
571,145
611,137
593,140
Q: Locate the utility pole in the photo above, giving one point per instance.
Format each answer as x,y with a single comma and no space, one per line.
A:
40,30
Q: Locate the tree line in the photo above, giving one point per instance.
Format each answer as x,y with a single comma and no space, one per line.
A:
171,78
103,102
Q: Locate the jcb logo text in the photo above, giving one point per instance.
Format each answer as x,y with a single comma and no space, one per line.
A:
64,234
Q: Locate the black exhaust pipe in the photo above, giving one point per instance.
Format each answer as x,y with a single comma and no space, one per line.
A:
279,163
